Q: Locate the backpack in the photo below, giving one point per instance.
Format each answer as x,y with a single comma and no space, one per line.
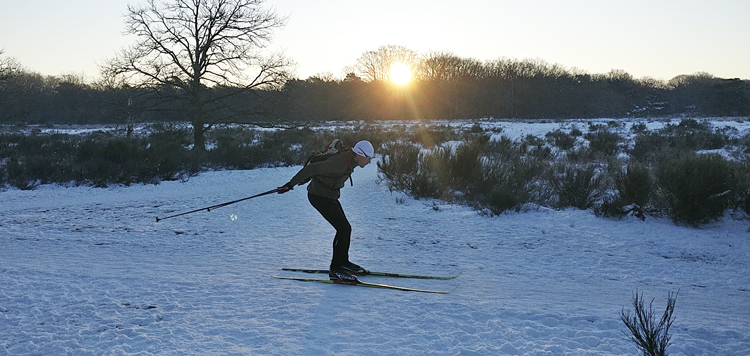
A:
333,147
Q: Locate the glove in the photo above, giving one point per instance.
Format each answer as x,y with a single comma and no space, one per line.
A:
284,188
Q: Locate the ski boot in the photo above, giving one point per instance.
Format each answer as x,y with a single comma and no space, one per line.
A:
339,275
354,269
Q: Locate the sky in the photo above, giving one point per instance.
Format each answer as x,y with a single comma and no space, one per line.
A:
646,38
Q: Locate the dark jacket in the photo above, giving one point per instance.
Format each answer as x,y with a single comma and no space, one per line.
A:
329,176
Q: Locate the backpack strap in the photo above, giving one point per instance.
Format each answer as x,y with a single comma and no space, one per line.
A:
350,162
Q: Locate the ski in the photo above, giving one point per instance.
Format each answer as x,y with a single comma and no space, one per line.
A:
359,283
375,274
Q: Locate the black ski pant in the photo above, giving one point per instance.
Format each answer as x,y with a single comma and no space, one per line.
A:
333,213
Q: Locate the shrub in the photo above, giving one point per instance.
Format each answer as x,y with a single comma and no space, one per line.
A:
38,159
508,176
689,136
465,166
113,160
167,157
425,183
507,183
576,186
463,173
399,165
603,142
651,337
535,147
742,195
690,125
648,145
98,159
561,139
696,188
234,149
634,186
501,199
433,174
431,136
744,143
593,127
633,193
638,128
493,176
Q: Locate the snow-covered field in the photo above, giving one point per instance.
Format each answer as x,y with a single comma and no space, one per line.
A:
87,271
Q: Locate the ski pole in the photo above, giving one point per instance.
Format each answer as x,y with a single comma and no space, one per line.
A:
208,208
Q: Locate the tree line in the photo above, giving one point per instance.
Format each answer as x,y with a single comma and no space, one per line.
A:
205,62
447,86
444,86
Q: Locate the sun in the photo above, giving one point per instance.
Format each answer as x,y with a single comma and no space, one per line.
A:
400,73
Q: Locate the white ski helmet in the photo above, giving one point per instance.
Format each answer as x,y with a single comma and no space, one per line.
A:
364,148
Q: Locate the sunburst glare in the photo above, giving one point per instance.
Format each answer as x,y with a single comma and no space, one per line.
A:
400,73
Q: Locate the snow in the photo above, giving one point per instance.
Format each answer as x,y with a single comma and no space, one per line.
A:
87,271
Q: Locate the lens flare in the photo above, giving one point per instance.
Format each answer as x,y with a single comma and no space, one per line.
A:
400,73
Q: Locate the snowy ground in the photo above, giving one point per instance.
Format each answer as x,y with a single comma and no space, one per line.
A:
87,271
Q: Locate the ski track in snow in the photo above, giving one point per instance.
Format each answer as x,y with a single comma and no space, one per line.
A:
87,271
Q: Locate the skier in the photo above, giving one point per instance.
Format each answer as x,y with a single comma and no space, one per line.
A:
326,178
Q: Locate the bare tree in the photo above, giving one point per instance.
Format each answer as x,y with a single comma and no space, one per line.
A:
9,66
445,66
189,46
376,65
